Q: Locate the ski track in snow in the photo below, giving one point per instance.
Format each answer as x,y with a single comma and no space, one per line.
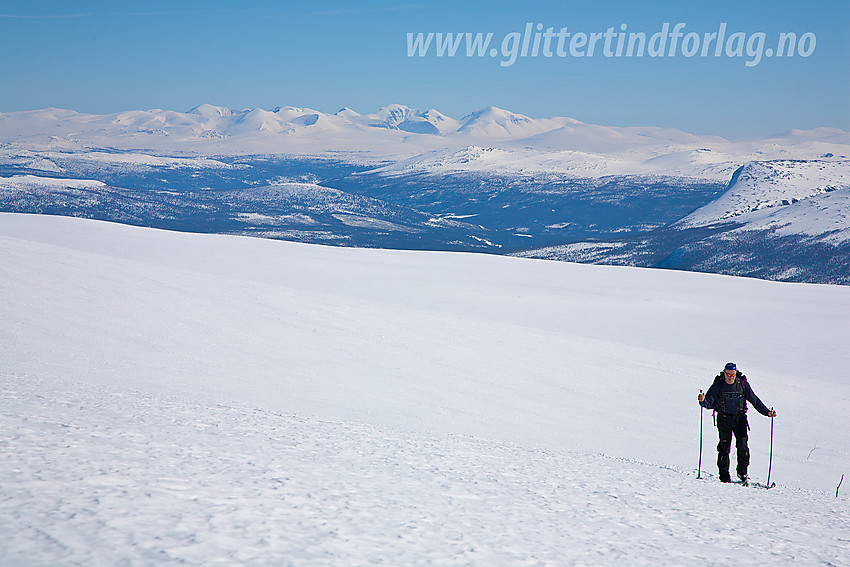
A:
92,476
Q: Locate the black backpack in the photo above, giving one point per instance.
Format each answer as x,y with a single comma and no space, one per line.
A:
740,380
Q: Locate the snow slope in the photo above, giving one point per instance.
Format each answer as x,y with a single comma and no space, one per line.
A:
759,187
94,476
182,397
825,215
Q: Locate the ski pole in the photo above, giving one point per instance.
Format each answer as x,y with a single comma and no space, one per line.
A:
770,461
699,466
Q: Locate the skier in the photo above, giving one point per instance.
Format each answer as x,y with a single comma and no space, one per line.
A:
728,396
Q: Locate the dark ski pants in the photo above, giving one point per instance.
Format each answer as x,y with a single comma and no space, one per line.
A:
727,425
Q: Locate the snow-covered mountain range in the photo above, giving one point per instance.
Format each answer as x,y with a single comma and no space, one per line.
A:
493,180
396,132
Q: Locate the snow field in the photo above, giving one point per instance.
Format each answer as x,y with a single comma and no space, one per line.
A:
99,477
532,352
177,397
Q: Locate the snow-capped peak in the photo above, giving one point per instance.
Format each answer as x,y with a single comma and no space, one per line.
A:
497,122
494,114
209,110
401,117
346,112
394,114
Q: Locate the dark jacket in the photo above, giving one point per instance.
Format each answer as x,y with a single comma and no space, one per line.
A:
732,398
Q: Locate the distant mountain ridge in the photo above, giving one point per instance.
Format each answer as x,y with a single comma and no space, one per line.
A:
494,180
422,139
491,121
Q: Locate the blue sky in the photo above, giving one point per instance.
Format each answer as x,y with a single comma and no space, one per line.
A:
102,57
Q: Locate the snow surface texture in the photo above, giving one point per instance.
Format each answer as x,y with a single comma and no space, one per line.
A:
98,477
491,139
194,398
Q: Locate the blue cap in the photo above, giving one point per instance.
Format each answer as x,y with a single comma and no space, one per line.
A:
730,366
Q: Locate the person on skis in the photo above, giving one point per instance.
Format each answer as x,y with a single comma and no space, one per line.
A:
728,396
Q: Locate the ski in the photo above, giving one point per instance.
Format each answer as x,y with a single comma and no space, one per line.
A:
752,484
